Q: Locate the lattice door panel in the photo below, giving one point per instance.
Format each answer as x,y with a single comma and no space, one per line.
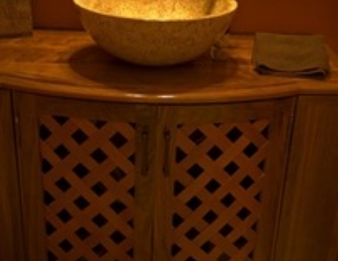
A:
218,185
88,180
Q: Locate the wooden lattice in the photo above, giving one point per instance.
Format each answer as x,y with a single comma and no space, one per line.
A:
88,180
218,187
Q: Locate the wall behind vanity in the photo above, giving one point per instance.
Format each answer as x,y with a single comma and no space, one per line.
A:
282,16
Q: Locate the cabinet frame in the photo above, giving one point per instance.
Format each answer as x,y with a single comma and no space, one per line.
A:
11,246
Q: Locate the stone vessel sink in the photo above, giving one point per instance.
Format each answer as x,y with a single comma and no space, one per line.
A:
156,32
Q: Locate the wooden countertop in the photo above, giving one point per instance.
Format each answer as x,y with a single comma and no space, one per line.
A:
69,64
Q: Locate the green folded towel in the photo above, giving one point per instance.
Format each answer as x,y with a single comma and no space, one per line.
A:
290,55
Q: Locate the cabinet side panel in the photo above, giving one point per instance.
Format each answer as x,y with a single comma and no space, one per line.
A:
310,202
10,214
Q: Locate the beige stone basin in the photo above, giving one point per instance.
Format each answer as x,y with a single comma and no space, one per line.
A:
156,32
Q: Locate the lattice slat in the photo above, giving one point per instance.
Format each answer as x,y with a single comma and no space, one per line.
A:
88,181
218,184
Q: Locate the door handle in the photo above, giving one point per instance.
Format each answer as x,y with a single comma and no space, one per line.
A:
166,164
145,152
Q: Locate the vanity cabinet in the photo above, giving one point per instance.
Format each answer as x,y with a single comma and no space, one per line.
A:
101,160
120,182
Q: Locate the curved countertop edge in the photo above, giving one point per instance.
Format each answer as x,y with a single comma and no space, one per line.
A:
292,88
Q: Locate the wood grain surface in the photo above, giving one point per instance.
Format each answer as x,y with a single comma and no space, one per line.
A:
70,64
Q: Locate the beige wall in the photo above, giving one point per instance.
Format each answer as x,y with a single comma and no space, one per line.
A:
289,16
281,16
55,14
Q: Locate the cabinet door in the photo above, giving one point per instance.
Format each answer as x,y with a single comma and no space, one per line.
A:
224,179
86,198
10,216
309,221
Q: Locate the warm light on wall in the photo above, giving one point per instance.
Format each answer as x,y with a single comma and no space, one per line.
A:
253,15
279,16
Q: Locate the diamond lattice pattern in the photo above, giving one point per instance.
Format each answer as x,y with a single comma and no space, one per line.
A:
88,181
218,187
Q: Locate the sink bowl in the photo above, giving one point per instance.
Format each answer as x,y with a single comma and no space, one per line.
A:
156,32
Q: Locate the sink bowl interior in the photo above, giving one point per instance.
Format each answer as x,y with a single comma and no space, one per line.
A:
159,9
